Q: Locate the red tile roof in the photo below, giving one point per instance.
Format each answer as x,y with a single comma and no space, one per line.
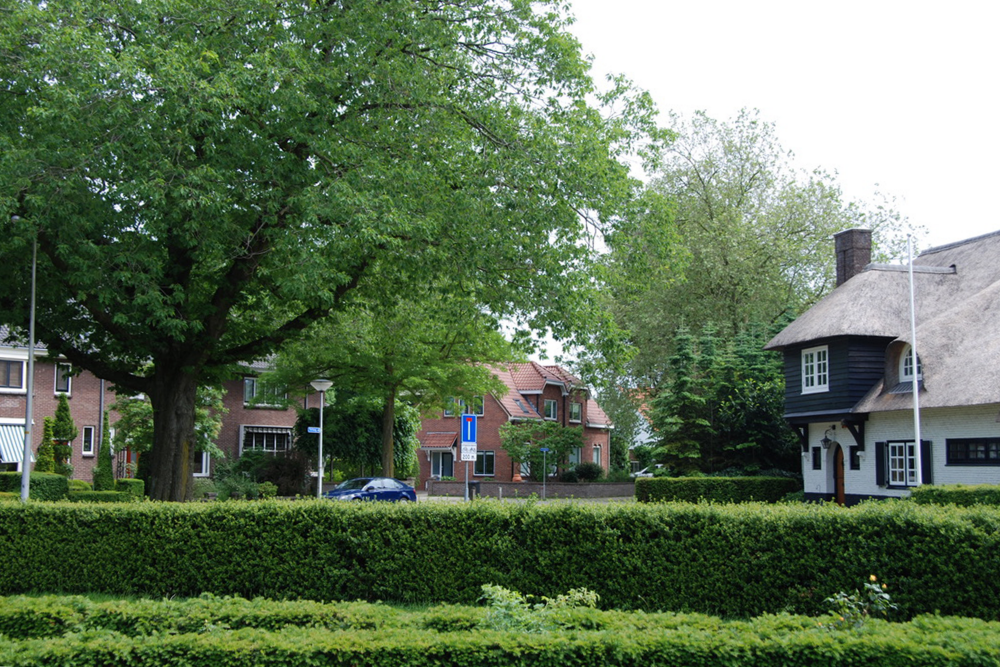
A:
595,415
438,440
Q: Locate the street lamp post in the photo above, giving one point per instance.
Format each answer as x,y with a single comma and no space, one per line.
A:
321,386
29,411
545,468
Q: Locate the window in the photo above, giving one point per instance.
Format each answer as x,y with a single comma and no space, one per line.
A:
597,455
817,457
270,439
63,378
902,463
442,464
458,405
484,464
449,407
477,408
576,412
257,393
906,366
575,455
815,370
11,374
973,451
551,409
87,446
200,467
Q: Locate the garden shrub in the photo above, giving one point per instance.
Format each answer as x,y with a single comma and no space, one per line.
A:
9,496
728,560
588,471
134,487
41,485
79,485
715,489
957,494
100,497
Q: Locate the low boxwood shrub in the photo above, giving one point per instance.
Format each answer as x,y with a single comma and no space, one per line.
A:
79,485
957,494
41,485
100,497
588,471
714,489
134,487
736,560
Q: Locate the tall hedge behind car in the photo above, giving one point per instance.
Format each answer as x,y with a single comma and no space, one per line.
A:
726,560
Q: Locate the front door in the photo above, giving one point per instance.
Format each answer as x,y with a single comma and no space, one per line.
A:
838,475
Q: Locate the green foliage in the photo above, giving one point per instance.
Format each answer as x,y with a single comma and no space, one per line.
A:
64,429
100,497
664,556
523,442
510,611
957,494
79,485
260,164
352,432
588,471
715,489
136,488
722,404
46,459
41,485
104,471
854,610
134,428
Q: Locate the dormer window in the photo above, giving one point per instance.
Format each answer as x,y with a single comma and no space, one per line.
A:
815,370
906,366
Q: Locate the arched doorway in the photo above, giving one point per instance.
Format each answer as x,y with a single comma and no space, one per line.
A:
838,475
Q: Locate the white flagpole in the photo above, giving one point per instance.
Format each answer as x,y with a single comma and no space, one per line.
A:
916,368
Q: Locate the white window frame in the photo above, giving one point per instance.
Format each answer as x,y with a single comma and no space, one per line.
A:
480,467
575,456
816,369
251,429
576,412
68,377
19,389
206,462
88,437
554,405
477,408
901,463
597,455
251,387
906,366
449,406
437,463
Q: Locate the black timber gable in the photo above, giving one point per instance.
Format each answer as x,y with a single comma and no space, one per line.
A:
856,364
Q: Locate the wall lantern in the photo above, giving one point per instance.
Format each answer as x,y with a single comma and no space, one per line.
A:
827,441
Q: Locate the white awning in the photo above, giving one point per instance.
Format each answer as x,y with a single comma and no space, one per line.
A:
12,443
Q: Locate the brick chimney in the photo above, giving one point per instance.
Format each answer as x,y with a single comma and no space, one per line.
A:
854,253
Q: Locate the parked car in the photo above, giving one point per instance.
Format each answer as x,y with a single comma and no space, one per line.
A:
647,472
372,488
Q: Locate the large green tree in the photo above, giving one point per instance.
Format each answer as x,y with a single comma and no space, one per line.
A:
206,180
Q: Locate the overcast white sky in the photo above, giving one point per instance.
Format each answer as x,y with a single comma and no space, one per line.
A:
899,94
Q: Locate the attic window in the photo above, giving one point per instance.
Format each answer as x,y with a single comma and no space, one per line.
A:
815,370
521,405
906,366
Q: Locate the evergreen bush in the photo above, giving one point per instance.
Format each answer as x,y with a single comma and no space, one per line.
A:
104,471
957,494
41,485
46,459
100,497
133,487
715,489
64,431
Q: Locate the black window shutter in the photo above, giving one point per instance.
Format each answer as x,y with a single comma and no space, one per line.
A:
926,464
880,463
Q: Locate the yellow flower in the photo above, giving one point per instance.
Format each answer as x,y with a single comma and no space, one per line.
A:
884,587
873,578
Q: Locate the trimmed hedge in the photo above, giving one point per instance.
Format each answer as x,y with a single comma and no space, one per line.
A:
41,485
239,632
714,489
957,494
727,560
134,487
100,497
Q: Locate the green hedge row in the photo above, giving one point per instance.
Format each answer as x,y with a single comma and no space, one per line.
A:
714,489
100,497
410,639
957,494
726,560
41,485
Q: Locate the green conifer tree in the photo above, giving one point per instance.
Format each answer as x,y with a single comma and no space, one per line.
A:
46,454
104,475
64,431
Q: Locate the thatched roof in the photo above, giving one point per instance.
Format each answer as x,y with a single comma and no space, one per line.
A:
957,295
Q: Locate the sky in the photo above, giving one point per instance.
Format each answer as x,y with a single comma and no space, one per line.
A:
899,97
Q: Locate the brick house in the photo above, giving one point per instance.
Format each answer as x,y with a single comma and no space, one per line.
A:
249,424
533,392
849,373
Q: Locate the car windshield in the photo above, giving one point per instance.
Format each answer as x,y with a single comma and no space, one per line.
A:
354,484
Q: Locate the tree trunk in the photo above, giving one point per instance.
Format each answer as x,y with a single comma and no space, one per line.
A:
173,397
388,423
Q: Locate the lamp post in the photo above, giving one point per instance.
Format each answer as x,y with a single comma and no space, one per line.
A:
545,468
321,386
29,410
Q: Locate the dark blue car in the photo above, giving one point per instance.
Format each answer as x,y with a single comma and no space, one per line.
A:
373,488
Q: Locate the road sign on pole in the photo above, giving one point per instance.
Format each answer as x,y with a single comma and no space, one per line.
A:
468,428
